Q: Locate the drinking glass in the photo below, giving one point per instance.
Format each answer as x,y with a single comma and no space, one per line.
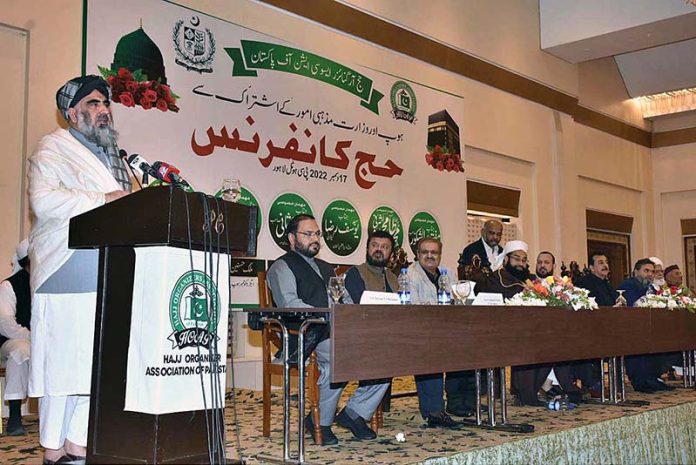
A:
621,298
231,190
337,288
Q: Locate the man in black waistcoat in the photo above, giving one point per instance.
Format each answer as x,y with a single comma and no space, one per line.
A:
15,318
299,280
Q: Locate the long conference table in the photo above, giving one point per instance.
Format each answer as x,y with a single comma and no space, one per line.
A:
378,341
383,341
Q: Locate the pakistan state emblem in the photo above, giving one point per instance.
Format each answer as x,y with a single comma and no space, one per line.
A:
403,101
194,47
194,311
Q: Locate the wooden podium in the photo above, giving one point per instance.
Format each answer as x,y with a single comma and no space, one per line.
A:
156,216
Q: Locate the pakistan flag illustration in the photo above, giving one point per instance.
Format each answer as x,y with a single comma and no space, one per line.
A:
194,310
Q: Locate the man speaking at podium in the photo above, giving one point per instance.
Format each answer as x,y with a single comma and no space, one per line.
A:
72,171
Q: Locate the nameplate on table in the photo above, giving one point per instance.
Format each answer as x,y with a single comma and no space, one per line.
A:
488,298
379,298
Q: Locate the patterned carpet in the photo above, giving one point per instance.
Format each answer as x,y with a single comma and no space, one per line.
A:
421,443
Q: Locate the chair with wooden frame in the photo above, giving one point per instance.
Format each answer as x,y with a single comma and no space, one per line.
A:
271,336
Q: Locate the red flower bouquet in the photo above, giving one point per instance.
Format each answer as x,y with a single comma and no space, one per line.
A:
442,160
133,88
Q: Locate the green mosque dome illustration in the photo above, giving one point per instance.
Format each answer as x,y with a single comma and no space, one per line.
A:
138,51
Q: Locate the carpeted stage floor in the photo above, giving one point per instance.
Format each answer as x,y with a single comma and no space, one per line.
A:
592,429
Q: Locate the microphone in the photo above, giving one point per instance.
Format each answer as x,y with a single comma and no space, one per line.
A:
141,165
168,173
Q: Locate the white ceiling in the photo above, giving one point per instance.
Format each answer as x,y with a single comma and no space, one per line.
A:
653,41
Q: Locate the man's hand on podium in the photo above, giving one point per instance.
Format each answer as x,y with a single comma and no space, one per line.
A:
114,195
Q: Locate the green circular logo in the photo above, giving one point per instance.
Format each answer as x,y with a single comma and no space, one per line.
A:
249,199
423,224
194,310
403,101
341,228
386,219
283,209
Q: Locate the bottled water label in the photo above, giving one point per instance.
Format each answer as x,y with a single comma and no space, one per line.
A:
405,297
443,298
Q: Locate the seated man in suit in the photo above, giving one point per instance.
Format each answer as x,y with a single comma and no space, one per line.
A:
597,282
484,251
642,369
300,280
528,380
424,275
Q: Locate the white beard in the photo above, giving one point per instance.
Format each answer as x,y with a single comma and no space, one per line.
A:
104,136
657,283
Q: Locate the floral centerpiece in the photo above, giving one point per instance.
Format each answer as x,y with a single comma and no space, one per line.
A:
670,297
441,159
553,292
133,88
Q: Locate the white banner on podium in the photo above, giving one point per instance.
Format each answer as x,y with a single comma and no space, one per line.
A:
179,314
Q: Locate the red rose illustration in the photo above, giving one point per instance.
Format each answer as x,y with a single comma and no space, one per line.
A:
124,73
126,99
440,159
130,90
165,92
150,95
162,105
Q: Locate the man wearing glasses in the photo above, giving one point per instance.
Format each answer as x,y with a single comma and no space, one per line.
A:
300,280
510,271
424,275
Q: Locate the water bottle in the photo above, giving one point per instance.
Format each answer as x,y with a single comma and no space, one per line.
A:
404,287
561,404
443,291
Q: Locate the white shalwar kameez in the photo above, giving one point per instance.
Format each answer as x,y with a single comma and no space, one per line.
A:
65,180
15,351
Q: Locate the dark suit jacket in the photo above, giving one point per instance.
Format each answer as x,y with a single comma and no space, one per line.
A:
634,290
600,289
475,248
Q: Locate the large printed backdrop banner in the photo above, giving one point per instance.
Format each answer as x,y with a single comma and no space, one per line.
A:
358,148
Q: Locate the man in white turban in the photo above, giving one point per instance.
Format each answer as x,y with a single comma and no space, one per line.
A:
510,270
15,319
659,275
513,260
71,171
